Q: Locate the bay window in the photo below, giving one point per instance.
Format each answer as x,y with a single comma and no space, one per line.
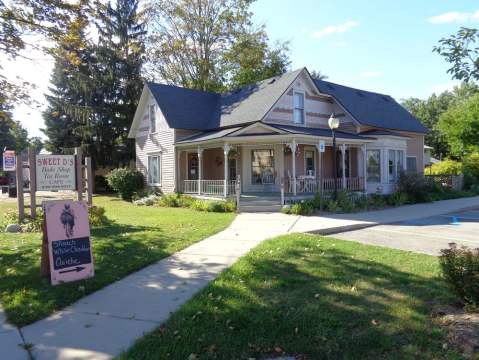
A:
395,164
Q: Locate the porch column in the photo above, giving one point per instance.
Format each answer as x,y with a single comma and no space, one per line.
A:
363,150
293,147
226,150
179,186
319,171
343,163
200,168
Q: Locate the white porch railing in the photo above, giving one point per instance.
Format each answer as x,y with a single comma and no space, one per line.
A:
313,185
208,187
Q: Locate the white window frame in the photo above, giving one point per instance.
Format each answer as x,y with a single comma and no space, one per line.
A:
380,166
303,120
160,172
150,108
396,165
311,149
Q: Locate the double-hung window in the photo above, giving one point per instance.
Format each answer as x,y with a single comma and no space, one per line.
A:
411,164
298,113
395,164
154,170
309,162
373,166
152,117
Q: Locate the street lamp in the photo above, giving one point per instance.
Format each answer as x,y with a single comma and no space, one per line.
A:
333,123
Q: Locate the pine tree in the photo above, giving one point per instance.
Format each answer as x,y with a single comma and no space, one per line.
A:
120,56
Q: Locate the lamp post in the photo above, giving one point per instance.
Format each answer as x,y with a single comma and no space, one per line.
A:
333,123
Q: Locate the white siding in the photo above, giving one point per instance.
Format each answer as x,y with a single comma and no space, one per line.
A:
161,142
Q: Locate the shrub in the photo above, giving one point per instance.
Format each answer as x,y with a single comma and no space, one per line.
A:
216,206
125,182
199,205
344,201
317,201
361,202
460,267
286,209
471,169
447,166
296,209
171,200
304,207
377,201
101,184
415,186
332,205
96,216
397,199
230,206
149,200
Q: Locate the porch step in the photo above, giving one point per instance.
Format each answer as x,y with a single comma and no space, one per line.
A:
257,203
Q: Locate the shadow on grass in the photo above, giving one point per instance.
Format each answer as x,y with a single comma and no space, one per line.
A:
310,305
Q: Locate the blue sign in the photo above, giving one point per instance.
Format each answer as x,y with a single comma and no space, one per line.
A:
9,161
322,147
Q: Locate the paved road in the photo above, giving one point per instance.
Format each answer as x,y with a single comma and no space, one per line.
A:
428,235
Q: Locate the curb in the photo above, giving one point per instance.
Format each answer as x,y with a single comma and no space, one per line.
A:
340,229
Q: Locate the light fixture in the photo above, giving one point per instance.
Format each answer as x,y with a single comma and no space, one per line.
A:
333,122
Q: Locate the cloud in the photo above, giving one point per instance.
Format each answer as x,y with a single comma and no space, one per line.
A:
454,17
370,74
335,29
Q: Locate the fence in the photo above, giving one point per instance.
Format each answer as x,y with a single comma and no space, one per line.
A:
208,187
451,181
313,185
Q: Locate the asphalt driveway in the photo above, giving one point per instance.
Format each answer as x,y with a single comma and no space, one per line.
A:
428,235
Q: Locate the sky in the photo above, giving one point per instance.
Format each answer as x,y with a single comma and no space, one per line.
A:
376,45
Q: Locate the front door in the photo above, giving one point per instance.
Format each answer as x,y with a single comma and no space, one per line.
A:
262,169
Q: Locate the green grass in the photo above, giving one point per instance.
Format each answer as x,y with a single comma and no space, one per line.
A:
311,297
136,237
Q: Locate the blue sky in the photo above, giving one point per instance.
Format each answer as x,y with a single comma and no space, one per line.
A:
383,46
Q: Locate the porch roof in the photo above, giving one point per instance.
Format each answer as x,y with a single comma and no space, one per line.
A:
233,132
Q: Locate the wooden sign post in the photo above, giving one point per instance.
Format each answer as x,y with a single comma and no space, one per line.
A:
68,246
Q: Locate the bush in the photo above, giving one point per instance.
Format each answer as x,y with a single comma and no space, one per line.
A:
286,209
230,206
96,216
216,206
149,200
361,202
377,201
169,201
397,199
126,182
470,168
460,267
199,205
446,167
302,208
332,205
415,186
345,202
101,184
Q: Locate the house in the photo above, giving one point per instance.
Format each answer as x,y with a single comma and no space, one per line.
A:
274,135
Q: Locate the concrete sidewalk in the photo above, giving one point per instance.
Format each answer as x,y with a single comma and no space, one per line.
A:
105,323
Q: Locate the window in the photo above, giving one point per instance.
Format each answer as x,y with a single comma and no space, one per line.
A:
309,162
232,168
152,116
262,167
154,170
193,167
298,115
411,164
373,166
392,170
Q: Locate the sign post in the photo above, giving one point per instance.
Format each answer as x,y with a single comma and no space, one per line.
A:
68,245
20,200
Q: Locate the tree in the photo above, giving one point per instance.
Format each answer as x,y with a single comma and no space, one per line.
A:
429,111
460,125
462,52
250,59
119,58
318,75
198,44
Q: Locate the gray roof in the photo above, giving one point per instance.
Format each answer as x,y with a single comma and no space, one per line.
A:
199,110
299,130
373,109
381,133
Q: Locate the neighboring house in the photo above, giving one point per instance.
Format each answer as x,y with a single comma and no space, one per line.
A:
270,133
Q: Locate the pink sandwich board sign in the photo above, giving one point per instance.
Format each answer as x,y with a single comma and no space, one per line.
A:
67,233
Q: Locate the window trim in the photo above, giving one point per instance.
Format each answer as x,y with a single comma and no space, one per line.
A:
397,160
150,106
303,108
160,172
311,149
273,167
380,166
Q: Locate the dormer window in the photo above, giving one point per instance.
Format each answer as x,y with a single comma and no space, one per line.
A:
152,116
298,113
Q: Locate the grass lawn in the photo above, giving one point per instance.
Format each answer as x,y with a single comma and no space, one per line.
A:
311,297
136,237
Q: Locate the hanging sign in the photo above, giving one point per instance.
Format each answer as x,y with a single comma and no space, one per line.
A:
55,172
9,162
68,240
322,146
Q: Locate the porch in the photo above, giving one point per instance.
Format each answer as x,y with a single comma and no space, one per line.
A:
227,170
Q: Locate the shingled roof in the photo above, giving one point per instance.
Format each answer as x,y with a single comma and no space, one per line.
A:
372,109
199,110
